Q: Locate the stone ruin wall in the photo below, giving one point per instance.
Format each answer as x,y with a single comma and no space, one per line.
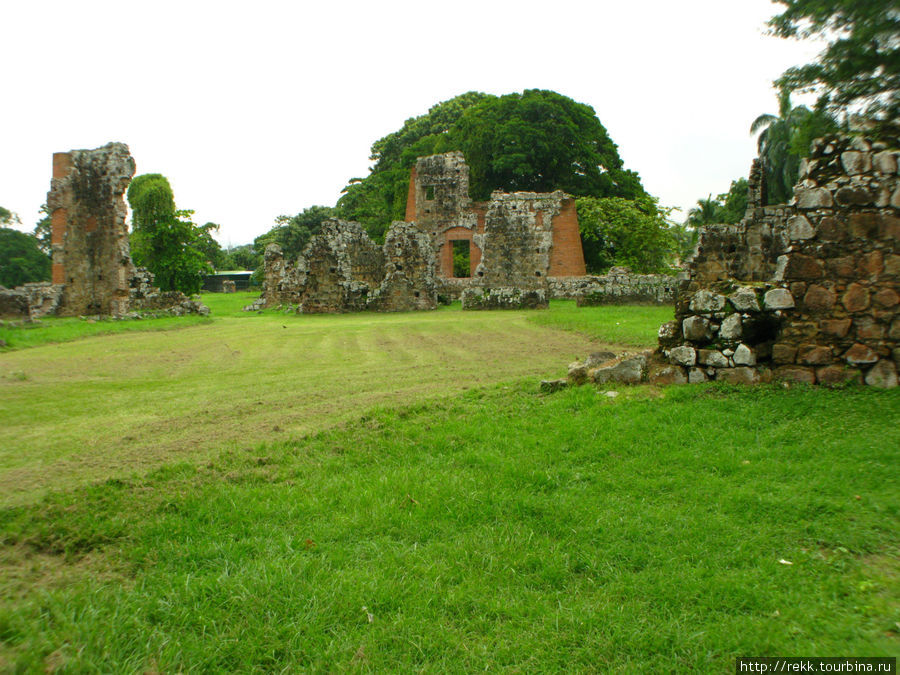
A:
91,256
92,271
343,270
516,241
806,292
802,292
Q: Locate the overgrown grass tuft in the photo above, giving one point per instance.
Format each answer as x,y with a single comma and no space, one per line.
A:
498,529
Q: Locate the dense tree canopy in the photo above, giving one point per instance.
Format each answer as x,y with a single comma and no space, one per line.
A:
164,239
292,233
537,140
635,233
21,259
540,141
860,68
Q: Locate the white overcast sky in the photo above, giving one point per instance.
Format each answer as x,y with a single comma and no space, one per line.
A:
255,109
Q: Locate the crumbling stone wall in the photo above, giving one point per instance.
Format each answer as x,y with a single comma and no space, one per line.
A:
92,271
343,270
340,267
515,240
89,237
619,286
409,265
807,291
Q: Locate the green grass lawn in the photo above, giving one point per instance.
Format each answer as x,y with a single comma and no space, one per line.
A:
106,405
449,519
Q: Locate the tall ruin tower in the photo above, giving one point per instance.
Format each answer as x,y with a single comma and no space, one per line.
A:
91,255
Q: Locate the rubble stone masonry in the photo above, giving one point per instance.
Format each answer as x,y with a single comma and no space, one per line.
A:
808,291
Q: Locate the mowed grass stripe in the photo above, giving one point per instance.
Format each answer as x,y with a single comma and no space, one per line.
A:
101,406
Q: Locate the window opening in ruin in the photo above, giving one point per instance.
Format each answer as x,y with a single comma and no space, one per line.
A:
429,192
462,257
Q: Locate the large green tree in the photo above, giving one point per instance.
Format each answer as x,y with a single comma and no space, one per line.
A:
165,240
860,67
635,233
537,140
21,259
541,141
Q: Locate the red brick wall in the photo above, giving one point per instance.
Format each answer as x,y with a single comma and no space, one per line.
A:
62,164
411,197
566,256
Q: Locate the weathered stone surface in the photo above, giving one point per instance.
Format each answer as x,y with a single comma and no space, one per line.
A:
705,302
504,298
669,334
837,375
697,376
712,357
684,355
666,375
801,266
615,289
578,373
13,304
829,229
892,265
835,327
744,356
872,263
882,375
895,198
629,371
813,198
853,196
885,162
814,355
855,298
744,300
596,359
818,298
886,298
731,328
863,225
842,266
551,386
797,374
409,272
860,355
696,328
778,298
740,375
856,163
798,228
784,353
868,329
